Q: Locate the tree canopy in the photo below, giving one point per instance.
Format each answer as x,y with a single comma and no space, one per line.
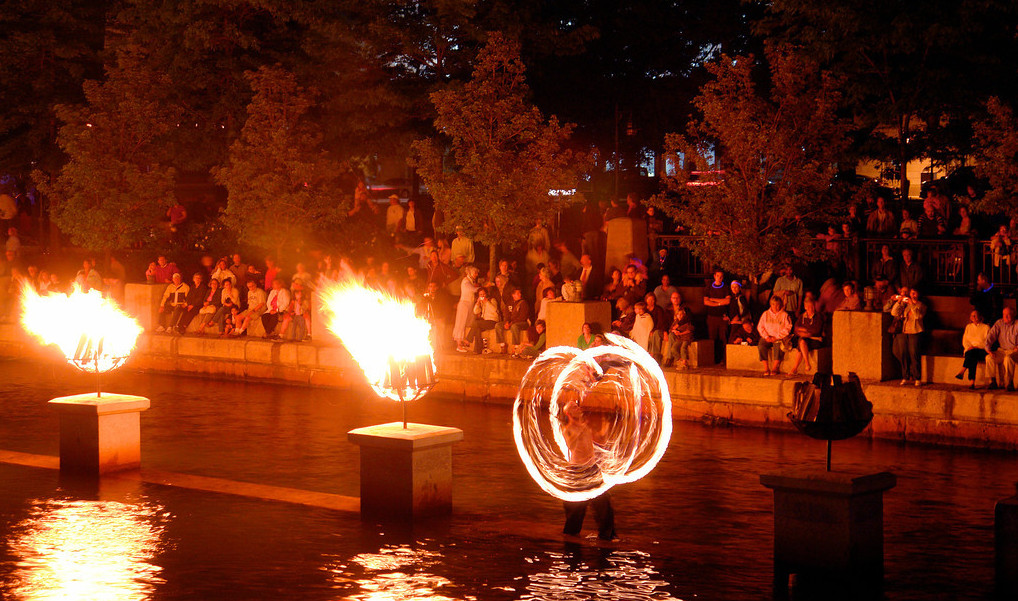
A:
773,149
503,157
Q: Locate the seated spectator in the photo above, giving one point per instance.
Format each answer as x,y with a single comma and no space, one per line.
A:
851,301
910,310
775,327
744,334
538,347
909,229
230,321
680,337
297,316
624,324
1000,362
586,338
229,298
643,326
276,304
256,298
634,284
173,304
223,273
663,293
550,296
87,277
516,320
613,288
195,301
809,332
486,318
973,341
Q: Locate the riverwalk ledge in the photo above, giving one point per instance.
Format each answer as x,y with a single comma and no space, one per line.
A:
940,414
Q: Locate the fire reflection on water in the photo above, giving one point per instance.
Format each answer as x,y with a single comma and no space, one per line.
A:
620,575
394,573
94,550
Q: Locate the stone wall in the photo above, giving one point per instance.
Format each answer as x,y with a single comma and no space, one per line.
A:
943,414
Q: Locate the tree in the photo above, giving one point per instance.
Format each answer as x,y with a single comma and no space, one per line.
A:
282,186
997,159
113,188
505,157
775,155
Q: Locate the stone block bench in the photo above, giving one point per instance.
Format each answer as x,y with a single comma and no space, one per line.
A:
941,369
747,358
701,352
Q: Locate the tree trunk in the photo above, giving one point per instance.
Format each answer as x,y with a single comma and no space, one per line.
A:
492,261
903,123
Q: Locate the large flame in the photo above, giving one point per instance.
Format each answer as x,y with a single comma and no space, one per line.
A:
385,336
91,331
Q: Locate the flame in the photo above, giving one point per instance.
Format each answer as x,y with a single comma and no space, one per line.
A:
385,336
91,331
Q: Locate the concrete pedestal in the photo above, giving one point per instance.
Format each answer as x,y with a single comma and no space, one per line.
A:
1006,544
99,434
406,474
829,523
142,301
861,344
564,320
625,237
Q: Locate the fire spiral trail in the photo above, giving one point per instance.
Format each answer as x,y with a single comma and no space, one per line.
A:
623,397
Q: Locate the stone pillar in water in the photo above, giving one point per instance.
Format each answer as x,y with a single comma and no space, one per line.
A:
99,435
829,523
406,474
1005,524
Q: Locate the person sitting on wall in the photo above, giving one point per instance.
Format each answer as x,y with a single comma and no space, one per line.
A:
744,334
277,302
662,322
516,320
809,333
539,343
738,309
972,341
643,326
195,299
680,337
486,318
173,304
223,273
627,316
297,314
256,298
1001,347
774,327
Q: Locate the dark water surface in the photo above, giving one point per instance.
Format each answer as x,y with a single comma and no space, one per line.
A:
698,527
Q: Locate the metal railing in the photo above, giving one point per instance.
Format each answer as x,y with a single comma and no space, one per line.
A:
949,265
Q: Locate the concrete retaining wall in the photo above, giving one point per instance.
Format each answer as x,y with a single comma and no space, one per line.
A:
941,414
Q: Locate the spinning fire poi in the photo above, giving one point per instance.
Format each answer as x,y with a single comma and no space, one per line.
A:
622,396
386,338
94,335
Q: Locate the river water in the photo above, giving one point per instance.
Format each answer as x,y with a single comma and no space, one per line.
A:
698,527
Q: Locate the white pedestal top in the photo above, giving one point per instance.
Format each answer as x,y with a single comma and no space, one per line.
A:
108,403
394,436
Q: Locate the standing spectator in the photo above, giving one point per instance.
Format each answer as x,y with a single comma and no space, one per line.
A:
570,265
463,246
240,270
627,316
592,222
986,299
931,223
464,310
297,317
964,228
973,341
851,301
662,322
1004,333
788,288
886,268
881,221
516,320
411,227
272,272
164,270
910,310
393,216
173,304
589,281
739,311
277,303
13,241
809,330
909,229
910,274
613,288
716,298
8,209
774,327
1000,246
176,215
223,273
538,236
87,277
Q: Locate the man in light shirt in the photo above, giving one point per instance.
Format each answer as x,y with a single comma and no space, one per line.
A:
1004,333
276,304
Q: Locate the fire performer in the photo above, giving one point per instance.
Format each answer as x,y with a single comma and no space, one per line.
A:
580,441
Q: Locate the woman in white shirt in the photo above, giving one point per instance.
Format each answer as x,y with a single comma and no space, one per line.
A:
464,309
973,341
